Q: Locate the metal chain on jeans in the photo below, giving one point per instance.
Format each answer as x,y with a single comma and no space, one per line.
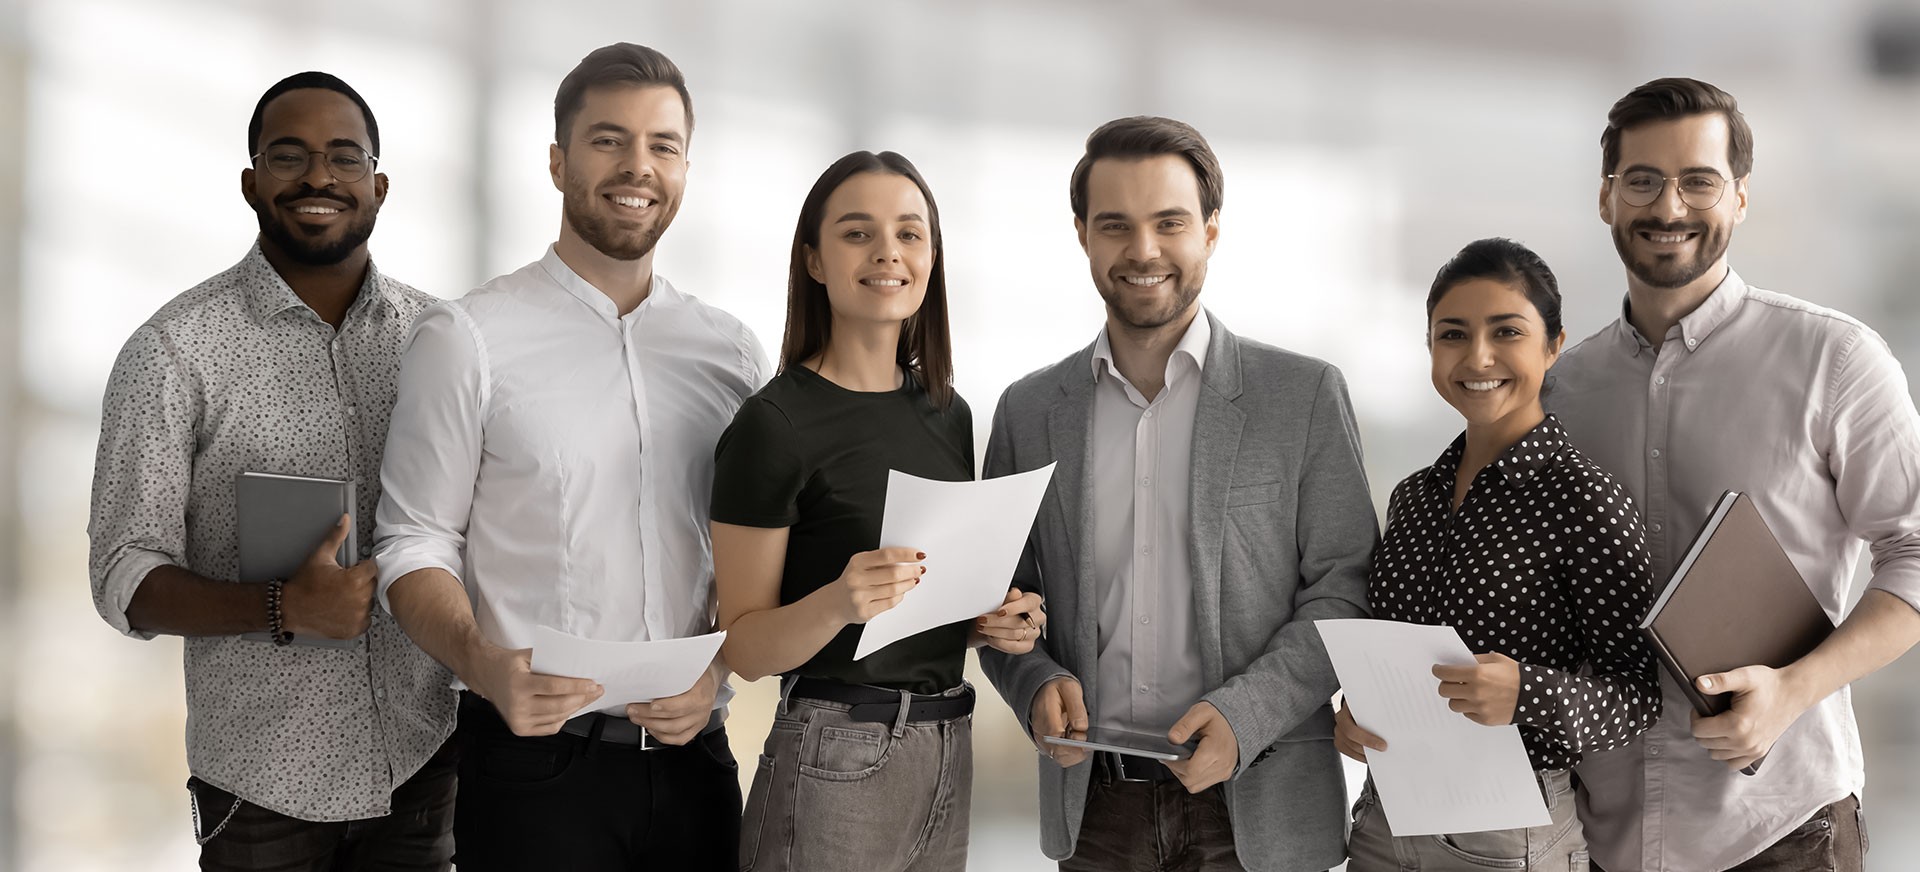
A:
194,801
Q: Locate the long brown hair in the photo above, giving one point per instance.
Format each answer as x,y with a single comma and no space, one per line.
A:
925,350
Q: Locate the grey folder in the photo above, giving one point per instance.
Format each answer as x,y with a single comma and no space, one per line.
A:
282,518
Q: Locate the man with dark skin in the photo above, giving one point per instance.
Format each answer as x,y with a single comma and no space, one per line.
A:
303,756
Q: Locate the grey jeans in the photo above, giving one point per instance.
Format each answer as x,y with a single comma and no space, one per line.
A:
1559,846
835,793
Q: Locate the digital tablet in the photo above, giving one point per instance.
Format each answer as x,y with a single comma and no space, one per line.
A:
1149,745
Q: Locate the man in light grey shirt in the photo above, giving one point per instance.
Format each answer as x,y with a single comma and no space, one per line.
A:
1208,506
302,757
1706,384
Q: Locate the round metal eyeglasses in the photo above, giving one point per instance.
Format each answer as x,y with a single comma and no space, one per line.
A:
1700,191
291,163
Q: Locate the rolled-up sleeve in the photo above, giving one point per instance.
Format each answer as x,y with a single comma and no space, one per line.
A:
1875,461
433,448
141,474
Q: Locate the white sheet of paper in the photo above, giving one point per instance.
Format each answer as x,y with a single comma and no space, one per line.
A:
1441,773
972,533
630,671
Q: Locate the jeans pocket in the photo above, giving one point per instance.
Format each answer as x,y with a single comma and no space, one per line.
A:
848,753
1496,849
518,763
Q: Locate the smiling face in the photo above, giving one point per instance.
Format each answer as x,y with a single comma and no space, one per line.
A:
1147,243
1666,244
876,249
316,220
623,169
1490,352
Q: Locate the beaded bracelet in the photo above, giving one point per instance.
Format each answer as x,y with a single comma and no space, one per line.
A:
276,621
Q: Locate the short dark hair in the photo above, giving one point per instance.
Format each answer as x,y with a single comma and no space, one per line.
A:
926,347
1507,262
1662,99
310,79
1149,136
621,63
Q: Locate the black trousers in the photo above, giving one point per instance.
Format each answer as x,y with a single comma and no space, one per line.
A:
417,836
565,802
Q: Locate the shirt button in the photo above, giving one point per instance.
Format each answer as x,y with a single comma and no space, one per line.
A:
1147,414
1144,619
1146,481
1142,688
1692,342
366,551
380,693
1145,551
1653,750
1660,380
1655,528
1656,452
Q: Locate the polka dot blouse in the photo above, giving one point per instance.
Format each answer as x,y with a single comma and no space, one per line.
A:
1544,562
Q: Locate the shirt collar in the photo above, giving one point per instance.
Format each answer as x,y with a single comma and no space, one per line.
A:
1698,324
1519,463
1189,354
585,292
268,294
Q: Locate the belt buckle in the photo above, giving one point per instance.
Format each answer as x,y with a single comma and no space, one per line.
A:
646,739
1117,765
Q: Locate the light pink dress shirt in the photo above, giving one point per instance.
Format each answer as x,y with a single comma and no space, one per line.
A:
1806,410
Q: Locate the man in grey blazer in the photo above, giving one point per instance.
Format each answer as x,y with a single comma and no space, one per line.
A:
1208,506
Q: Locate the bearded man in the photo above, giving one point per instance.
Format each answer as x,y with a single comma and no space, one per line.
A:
550,465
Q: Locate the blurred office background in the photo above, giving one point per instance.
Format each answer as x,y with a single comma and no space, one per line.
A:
1363,142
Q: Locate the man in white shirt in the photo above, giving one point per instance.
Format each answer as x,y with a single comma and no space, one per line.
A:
550,463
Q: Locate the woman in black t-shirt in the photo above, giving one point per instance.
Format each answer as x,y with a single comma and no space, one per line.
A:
1529,550
869,763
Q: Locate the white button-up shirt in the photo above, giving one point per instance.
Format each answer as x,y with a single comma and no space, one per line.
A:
557,457
1149,666
1807,411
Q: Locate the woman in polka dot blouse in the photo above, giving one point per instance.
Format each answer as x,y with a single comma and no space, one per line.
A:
1526,547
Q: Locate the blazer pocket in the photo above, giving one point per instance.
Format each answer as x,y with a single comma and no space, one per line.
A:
1253,495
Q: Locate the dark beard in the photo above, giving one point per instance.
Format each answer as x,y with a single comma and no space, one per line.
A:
1184,293
603,234
308,251
1671,271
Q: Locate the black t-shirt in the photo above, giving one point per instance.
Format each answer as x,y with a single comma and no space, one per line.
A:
807,454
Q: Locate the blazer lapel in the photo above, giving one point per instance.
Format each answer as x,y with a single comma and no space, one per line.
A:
1217,425
1070,437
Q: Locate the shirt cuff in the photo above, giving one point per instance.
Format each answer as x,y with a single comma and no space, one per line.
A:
122,579
1538,703
397,557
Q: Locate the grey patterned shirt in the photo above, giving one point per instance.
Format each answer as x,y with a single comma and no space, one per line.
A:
239,375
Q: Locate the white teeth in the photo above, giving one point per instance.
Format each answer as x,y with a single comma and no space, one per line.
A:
315,210
1484,385
1144,281
1665,238
884,283
633,202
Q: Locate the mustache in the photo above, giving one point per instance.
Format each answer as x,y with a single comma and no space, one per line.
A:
1651,226
309,193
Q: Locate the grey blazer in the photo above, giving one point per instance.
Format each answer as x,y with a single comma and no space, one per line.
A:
1283,529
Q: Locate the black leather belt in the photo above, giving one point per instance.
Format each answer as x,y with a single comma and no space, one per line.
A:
1127,767
620,731
878,705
